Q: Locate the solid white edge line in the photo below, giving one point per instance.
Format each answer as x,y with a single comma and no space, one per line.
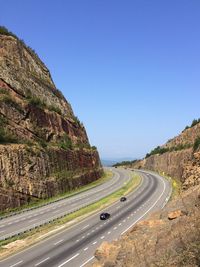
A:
147,210
69,260
16,264
86,262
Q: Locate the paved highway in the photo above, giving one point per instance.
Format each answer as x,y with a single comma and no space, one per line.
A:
75,246
28,220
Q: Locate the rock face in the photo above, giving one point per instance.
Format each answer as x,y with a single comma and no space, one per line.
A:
44,149
168,238
181,160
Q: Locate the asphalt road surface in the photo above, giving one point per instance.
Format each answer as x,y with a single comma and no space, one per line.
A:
75,246
28,220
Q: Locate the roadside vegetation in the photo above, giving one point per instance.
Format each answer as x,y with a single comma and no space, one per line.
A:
161,150
31,237
125,163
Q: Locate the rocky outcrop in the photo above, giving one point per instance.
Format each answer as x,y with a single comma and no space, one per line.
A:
168,238
180,160
44,149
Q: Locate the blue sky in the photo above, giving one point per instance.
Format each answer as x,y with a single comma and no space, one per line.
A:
130,69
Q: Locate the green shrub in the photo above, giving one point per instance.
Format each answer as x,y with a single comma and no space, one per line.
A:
55,109
196,143
6,137
65,142
42,143
37,102
5,31
195,122
4,91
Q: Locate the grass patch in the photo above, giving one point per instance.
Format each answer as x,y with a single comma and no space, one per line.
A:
41,202
30,237
175,183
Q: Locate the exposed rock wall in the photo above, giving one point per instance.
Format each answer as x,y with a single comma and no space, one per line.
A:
44,149
183,164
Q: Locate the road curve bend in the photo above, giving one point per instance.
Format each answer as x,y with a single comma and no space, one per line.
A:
75,246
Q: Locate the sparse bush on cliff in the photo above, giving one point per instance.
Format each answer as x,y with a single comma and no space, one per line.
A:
6,137
158,150
3,91
5,31
35,101
65,142
196,144
55,109
194,122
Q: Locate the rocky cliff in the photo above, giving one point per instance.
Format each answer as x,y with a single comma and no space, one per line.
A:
178,158
44,149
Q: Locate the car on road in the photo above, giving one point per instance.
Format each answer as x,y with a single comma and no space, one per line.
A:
104,216
123,199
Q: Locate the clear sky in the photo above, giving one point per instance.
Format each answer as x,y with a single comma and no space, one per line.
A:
130,69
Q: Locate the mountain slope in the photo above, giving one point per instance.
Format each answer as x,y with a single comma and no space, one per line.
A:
44,149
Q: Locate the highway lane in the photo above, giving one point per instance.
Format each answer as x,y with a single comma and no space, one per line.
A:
28,220
75,246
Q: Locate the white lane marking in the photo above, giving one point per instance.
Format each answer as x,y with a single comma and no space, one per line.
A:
2,225
109,233
115,228
102,237
85,249
119,224
94,243
42,261
77,240
69,260
147,210
83,237
85,227
16,264
58,242
86,262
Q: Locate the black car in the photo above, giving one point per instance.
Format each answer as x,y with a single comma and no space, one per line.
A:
104,216
122,199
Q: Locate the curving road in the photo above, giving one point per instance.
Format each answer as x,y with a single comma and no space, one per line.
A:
16,224
75,246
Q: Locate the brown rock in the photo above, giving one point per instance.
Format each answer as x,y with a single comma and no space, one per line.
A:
175,214
46,149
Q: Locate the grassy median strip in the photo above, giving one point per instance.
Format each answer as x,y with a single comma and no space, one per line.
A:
42,202
15,244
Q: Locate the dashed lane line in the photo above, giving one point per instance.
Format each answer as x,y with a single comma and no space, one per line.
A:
39,263
16,264
75,256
